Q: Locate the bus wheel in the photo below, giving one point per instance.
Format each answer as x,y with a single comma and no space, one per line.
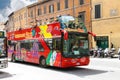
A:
13,58
42,62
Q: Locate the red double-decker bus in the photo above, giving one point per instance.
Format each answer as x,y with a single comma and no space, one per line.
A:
49,45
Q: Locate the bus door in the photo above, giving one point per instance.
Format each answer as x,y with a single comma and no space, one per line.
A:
18,50
36,49
56,52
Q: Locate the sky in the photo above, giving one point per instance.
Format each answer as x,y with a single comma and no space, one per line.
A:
8,6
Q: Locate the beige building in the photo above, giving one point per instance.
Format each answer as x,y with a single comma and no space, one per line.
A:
46,11
2,27
20,19
9,25
17,20
106,23
6,24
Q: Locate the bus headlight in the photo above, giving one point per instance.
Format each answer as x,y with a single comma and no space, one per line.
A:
83,59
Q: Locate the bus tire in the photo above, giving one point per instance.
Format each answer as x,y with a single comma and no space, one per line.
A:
42,62
13,58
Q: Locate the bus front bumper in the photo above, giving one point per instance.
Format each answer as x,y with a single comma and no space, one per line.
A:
75,62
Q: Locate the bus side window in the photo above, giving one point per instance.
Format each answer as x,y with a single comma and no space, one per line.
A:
22,45
40,47
27,45
56,44
49,43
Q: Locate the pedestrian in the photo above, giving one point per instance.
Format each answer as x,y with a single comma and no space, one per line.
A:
112,46
62,24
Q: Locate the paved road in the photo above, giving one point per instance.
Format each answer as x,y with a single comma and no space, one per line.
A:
99,69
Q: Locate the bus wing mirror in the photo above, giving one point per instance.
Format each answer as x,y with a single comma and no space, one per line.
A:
65,36
91,33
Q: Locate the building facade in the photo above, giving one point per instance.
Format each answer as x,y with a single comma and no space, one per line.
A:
20,19
46,11
106,23
9,24
2,26
17,20
6,24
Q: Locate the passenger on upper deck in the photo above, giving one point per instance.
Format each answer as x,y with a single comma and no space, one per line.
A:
62,24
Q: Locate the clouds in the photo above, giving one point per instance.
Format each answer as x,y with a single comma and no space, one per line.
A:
13,6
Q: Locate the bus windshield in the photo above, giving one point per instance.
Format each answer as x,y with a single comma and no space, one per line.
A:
3,52
76,46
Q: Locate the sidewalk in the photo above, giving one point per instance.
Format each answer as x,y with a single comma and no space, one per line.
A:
105,62
106,59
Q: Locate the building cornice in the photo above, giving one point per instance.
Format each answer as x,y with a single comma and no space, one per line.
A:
11,14
38,3
101,19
